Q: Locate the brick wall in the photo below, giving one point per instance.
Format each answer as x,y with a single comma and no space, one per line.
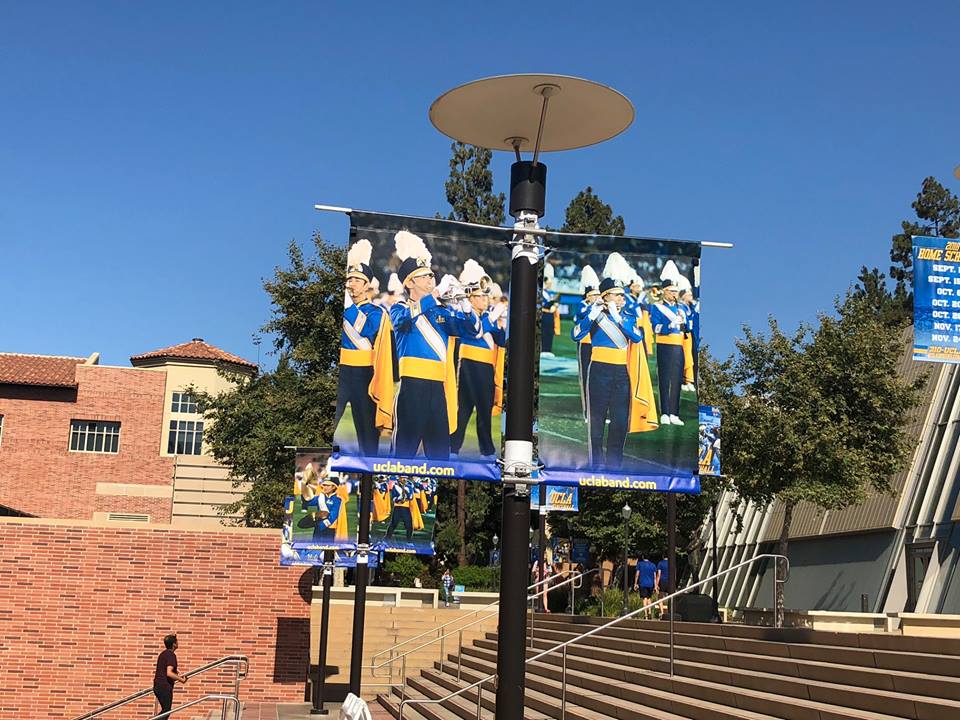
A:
83,610
38,473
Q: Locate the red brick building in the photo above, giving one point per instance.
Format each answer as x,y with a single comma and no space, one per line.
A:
87,441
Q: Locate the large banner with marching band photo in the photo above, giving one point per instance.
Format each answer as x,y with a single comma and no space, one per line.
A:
423,348
618,401
423,355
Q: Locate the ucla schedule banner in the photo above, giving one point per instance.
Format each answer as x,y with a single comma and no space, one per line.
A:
709,457
618,401
558,498
936,299
422,349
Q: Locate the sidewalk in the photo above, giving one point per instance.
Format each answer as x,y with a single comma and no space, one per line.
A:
301,711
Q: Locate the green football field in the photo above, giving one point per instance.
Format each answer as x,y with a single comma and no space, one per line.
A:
563,431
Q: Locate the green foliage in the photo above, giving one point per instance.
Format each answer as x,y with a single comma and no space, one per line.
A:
817,415
476,578
938,213
403,569
587,213
293,405
613,603
892,308
470,187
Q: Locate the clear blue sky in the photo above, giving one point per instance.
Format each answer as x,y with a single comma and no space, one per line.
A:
156,158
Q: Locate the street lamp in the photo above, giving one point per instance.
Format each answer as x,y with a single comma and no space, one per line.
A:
627,511
534,113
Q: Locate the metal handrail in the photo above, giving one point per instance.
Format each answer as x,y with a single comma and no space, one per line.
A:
240,661
225,698
563,646
400,644
578,576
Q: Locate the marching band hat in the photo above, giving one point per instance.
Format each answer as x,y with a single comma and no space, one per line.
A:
358,260
611,286
414,256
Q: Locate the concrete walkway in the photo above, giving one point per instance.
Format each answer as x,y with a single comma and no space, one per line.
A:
301,711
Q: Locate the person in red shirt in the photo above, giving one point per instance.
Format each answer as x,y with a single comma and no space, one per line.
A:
166,675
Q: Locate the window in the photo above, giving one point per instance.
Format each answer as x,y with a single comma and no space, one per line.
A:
184,403
186,437
94,436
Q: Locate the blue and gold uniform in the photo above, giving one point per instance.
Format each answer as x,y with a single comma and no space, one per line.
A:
609,383
366,358
362,327
476,384
401,495
426,401
669,323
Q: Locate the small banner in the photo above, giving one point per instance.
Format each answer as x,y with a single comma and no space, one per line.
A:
618,398
558,499
404,514
709,440
323,507
422,348
936,299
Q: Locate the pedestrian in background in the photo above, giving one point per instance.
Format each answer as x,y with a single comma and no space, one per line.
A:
166,674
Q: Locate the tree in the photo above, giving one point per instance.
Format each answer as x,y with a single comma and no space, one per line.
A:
890,307
470,194
587,213
293,405
817,415
938,213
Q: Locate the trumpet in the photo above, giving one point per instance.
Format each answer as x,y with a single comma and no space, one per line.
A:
481,286
453,293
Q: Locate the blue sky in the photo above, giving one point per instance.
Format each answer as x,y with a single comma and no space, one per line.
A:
157,158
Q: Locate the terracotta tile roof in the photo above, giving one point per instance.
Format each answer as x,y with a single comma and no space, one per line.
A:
43,370
196,349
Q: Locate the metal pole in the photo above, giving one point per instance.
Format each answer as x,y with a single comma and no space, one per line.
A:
460,656
319,690
714,568
360,582
563,687
527,199
542,549
626,563
671,563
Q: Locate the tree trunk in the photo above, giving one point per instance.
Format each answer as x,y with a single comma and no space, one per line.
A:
780,571
462,521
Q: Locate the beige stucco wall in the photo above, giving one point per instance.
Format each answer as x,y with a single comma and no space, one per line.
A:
180,376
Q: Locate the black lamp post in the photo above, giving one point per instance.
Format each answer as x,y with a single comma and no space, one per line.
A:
511,113
627,511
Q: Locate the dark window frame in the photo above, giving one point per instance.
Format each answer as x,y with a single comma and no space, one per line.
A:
96,437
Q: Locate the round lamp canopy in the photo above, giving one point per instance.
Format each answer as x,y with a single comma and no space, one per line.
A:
956,172
508,112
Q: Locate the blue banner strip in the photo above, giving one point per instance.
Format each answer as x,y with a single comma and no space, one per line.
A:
420,467
617,481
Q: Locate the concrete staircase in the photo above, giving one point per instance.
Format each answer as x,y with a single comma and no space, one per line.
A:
387,626
722,672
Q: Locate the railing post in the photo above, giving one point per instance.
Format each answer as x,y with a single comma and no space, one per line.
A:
671,636
479,699
443,654
563,687
403,679
778,594
460,655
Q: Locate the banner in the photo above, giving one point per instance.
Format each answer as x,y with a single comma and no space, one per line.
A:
709,440
558,499
936,299
422,348
323,507
618,399
404,514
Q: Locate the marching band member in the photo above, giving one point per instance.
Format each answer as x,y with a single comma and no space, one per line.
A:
426,407
611,326
366,356
669,322
402,496
590,289
476,383
549,312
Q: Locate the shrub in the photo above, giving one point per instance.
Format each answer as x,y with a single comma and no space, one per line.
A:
476,578
404,568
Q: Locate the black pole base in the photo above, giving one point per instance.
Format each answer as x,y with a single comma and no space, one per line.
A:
528,188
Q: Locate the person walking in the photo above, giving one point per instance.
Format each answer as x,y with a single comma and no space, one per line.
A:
645,580
447,582
166,674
